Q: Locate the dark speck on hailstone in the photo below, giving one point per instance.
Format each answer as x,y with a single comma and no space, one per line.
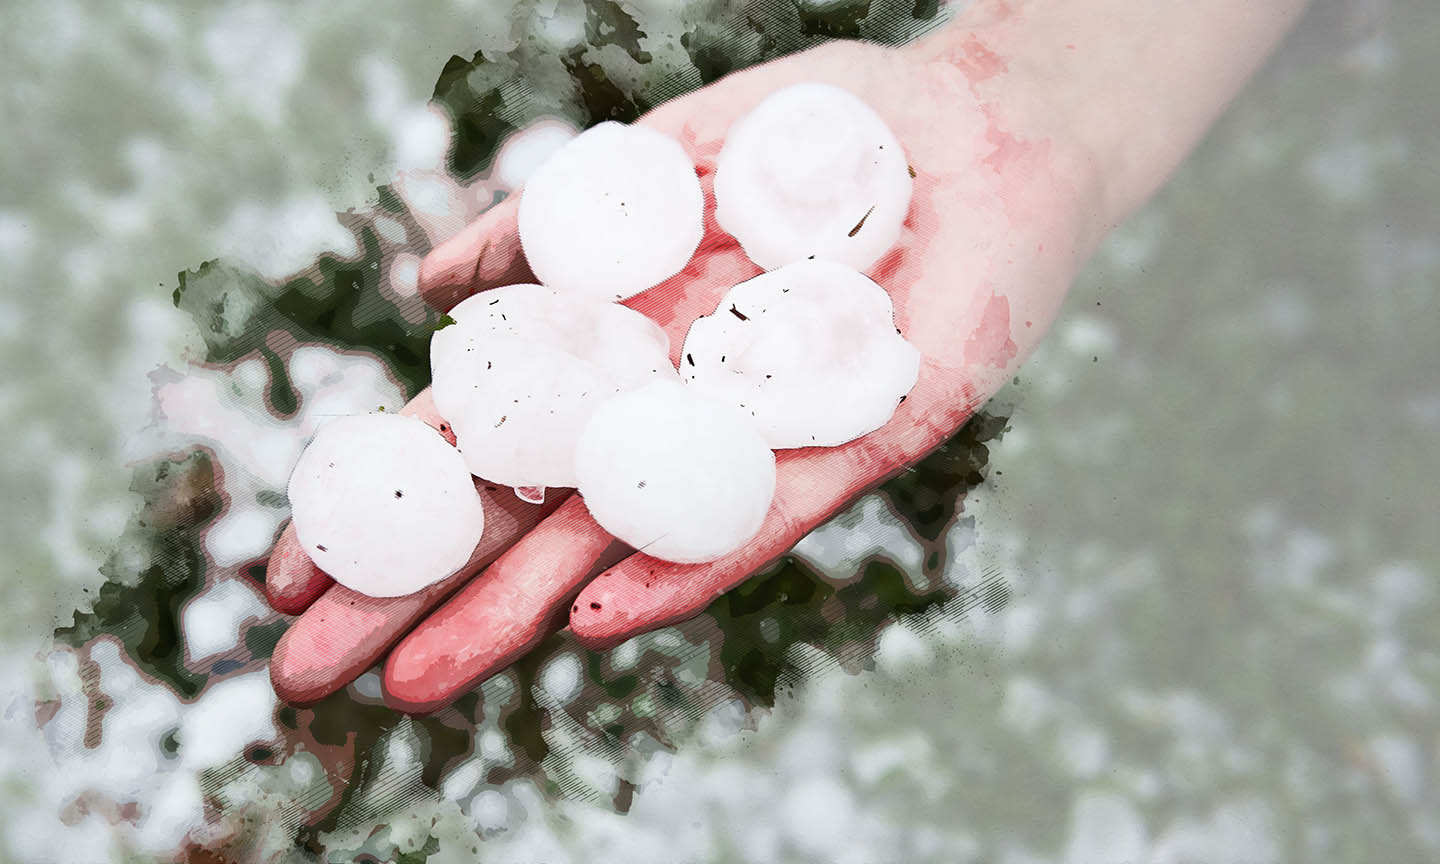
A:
861,223
399,494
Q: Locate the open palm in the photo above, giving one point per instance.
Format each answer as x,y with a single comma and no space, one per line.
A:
998,222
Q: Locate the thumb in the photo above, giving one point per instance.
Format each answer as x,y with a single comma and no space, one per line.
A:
485,254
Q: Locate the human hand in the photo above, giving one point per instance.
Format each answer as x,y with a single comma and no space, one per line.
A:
1002,214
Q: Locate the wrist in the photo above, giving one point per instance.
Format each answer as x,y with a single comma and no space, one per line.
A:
1020,100
1131,87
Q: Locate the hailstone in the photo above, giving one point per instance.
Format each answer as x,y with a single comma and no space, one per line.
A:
809,351
812,171
676,476
615,211
523,367
384,505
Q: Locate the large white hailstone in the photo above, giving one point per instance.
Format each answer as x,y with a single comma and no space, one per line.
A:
615,211
677,476
810,351
812,171
523,367
384,505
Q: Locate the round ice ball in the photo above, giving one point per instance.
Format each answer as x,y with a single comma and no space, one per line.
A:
812,171
523,367
809,351
384,505
615,211
676,476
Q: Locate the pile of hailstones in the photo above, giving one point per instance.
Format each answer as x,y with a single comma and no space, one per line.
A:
558,385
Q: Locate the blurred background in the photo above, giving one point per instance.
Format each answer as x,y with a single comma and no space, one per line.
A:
1170,598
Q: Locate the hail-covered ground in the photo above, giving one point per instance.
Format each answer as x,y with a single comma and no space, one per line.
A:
1200,569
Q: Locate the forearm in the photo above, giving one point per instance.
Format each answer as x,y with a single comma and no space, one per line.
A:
1135,82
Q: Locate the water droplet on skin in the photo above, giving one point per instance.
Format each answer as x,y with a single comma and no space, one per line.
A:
530,494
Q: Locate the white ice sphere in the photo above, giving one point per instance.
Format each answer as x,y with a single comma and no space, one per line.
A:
812,171
615,211
384,505
809,351
677,476
523,367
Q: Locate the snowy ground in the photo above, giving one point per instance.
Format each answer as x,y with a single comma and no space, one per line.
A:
1212,508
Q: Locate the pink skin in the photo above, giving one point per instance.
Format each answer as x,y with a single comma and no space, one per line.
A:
522,598
990,245
340,633
1031,130
292,581
994,234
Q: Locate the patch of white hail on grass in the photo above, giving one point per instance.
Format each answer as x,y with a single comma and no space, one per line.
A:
212,620
528,149
226,411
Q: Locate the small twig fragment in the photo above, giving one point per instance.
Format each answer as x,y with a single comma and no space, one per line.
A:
861,223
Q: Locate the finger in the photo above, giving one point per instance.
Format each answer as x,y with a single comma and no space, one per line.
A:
292,581
643,593
485,254
502,615
344,632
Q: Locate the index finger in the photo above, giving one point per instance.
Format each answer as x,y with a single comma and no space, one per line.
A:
643,593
